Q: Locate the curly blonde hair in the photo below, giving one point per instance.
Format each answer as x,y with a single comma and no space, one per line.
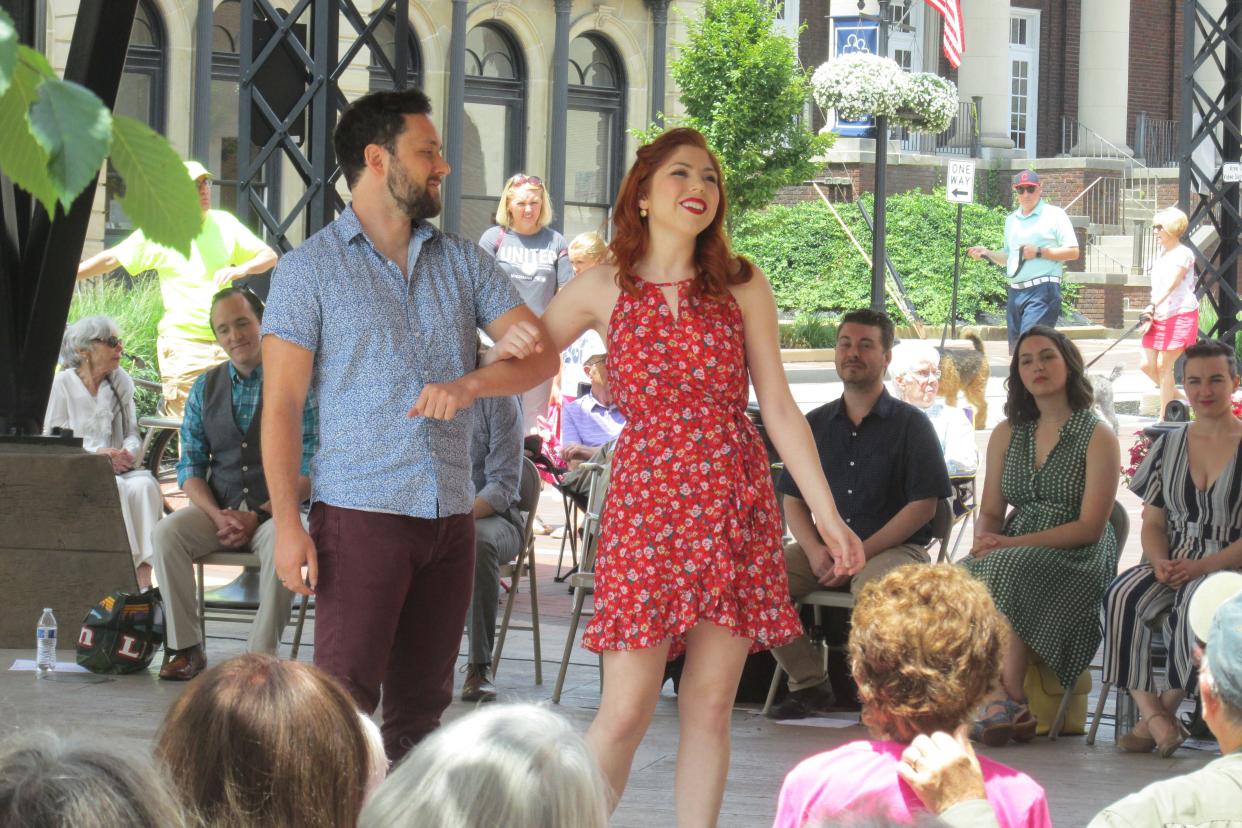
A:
925,649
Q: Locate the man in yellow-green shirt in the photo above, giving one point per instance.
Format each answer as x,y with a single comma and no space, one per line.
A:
224,251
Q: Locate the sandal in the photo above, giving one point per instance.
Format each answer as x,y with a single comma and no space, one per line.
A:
1167,747
1024,722
995,730
1133,742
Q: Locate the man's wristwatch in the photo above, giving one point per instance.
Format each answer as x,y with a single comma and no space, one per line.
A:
264,515
1039,252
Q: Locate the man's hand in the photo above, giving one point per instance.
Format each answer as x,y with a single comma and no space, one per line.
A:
843,545
295,549
226,276
442,400
1030,251
977,252
236,528
942,770
520,341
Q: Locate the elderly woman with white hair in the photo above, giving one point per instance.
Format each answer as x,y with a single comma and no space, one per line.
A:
95,397
513,765
1174,308
915,370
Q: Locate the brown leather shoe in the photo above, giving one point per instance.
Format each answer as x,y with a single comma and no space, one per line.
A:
477,686
183,665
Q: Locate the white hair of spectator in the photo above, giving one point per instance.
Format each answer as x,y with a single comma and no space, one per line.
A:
80,335
518,766
909,354
46,780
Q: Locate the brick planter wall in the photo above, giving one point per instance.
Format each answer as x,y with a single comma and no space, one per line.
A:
1105,304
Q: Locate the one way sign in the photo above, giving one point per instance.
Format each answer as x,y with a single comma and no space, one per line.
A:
960,186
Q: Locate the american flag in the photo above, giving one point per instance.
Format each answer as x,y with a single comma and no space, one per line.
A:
954,44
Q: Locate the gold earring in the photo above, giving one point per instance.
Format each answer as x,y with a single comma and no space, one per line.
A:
642,212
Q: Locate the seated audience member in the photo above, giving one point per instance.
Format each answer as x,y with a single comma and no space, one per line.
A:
260,742
496,459
50,782
924,648
1047,565
1191,528
591,420
517,766
95,397
886,473
916,375
221,472
585,251
944,773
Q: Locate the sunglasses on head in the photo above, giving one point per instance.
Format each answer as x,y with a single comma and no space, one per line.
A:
521,180
1026,188
110,341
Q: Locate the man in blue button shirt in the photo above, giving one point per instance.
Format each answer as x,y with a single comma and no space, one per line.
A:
1038,238
377,313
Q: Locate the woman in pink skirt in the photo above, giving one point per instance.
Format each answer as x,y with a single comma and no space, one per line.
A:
1174,308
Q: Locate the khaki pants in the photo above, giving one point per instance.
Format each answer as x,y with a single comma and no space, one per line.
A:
181,361
188,534
799,658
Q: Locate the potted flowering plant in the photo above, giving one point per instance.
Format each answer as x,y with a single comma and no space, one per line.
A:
861,84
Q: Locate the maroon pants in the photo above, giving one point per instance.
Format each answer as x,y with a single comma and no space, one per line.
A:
389,611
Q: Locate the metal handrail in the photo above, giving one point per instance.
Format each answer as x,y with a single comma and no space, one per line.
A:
1085,190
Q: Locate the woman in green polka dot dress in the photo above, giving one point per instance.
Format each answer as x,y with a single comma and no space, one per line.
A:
1049,564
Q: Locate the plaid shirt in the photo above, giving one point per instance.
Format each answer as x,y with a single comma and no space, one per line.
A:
196,454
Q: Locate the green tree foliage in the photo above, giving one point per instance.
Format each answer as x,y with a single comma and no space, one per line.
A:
814,267
55,136
742,87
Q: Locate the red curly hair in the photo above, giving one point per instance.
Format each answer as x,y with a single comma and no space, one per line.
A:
717,266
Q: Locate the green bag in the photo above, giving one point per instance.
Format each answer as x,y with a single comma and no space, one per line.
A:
122,633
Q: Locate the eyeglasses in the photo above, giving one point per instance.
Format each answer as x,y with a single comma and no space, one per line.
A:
521,180
110,341
1157,227
1026,188
925,375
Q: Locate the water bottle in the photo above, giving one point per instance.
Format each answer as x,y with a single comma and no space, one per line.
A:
45,654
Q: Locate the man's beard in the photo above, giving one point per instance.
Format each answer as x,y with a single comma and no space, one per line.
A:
416,202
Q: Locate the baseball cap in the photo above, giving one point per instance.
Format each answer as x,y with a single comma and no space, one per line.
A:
197,170
1026,177
1215,616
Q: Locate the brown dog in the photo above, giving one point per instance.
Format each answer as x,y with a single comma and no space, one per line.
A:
965,371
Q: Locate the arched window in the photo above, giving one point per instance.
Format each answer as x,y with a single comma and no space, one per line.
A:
495,128
386,35
594,160
141,97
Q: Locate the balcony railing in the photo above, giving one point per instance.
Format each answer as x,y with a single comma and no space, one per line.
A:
1156,140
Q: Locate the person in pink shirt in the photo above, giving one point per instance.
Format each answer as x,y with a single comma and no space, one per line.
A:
924,649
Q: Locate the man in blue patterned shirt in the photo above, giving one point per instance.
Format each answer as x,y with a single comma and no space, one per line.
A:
377,313
221,471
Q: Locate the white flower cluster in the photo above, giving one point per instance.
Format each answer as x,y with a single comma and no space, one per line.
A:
861,84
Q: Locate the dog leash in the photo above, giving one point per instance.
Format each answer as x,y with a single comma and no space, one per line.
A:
1117,341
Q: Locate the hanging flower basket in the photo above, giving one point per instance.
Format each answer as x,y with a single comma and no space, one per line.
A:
860,85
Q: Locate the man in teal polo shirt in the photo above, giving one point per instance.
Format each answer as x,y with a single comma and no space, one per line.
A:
1038,238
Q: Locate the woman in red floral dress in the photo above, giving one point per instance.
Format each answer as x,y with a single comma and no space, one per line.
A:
690,548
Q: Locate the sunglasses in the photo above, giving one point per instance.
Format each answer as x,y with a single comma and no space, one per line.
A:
521,180
1026,188
110,341
1157,227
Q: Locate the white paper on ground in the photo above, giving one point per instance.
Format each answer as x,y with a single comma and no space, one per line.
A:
27,665
850,720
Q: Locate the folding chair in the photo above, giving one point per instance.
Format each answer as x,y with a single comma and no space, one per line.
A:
942,526
583,581
965,504
528,503
219,612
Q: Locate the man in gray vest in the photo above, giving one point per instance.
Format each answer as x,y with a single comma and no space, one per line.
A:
221,472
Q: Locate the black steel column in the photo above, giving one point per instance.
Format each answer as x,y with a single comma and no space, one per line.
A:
560,114
325,22
53,247
659,49
200,145
878,229
455,119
